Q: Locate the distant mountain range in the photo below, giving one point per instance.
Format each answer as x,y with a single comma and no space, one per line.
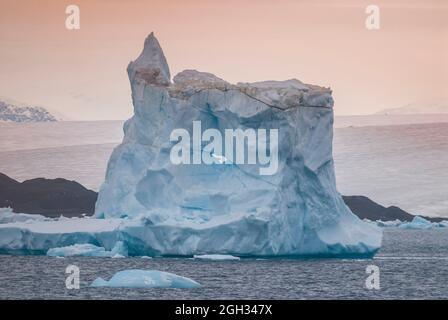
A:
17,112
417,108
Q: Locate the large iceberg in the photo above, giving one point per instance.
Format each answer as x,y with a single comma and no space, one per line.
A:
256,179
212,199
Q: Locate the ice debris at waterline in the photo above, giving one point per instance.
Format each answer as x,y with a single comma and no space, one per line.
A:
146,279
416,223
225,207
215,257
158,207
8,216
89,250
422,223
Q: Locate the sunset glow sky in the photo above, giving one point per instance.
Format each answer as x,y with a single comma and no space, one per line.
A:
82,73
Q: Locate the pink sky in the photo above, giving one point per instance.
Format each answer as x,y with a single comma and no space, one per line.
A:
82,73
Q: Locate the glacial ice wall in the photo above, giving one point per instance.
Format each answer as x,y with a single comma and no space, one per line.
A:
225,207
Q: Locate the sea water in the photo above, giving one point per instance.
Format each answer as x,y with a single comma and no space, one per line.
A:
413,264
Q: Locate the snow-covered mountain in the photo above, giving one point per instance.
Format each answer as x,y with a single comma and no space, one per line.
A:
418,108
17,112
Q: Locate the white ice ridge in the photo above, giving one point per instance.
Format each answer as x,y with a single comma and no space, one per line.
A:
215,257
89,250
220,208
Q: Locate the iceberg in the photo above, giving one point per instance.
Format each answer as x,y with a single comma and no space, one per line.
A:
254,176
416,223
421,223
215,257
8,216
208,203
146,279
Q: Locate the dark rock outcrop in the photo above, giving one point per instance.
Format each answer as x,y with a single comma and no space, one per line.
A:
49,197
365,208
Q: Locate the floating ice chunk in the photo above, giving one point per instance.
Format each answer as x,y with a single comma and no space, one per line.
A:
145,257
8,216
443,224
146,279
417,223
215,257
387,224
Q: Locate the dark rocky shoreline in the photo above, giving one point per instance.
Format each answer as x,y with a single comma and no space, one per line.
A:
49,197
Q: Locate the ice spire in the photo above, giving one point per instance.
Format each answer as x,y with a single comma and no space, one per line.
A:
151,65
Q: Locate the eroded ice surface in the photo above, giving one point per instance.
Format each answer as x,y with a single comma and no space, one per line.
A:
89,250
146,279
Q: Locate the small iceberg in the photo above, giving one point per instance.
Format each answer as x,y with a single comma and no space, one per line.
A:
418,223
146,279
89,250
215,257
8,216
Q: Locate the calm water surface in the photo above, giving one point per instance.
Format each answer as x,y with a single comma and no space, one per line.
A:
413,264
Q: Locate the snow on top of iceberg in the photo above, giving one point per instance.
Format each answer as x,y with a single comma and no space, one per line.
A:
278,94
146,279
272,84
151,68
215,257
151,65
198,79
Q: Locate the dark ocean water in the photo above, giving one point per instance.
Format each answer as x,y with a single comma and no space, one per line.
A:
413,264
